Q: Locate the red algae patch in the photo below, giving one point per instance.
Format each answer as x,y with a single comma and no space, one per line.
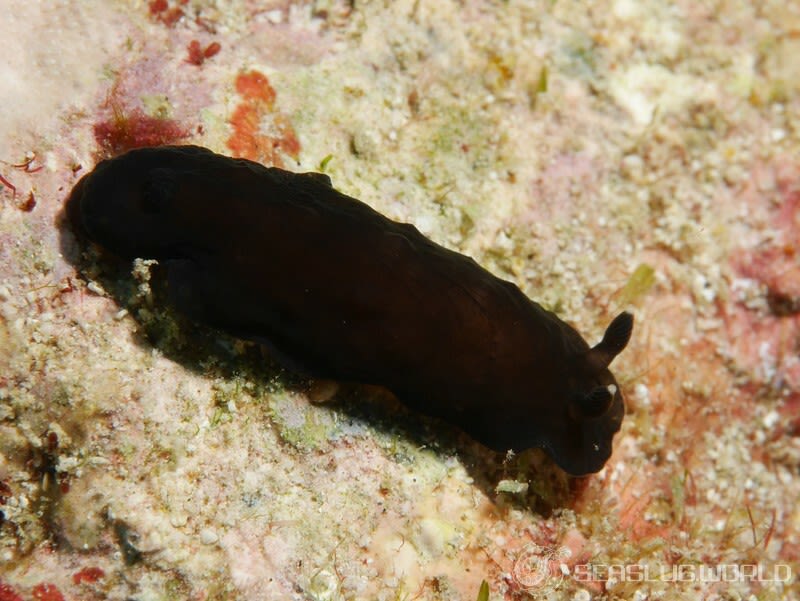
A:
7,593
197,55
124,126
90,575
47,592
776,263
167,13
125,131
254,86
260,131
764,334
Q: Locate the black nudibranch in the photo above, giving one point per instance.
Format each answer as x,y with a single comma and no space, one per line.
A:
339,291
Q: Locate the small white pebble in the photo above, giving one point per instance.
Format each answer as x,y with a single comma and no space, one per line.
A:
770,419
642,394
511,486
274,16
96,288
121,314
632,162
582,595
323,586
179,520
208,536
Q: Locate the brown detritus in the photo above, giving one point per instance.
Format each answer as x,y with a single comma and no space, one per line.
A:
43,462
413,101
124,535
5,492
752,524
26,164
771,529
782,305
29,203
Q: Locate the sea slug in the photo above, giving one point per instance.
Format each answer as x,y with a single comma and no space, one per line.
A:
336,290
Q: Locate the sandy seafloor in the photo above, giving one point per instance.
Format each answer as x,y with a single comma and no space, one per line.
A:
603,156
